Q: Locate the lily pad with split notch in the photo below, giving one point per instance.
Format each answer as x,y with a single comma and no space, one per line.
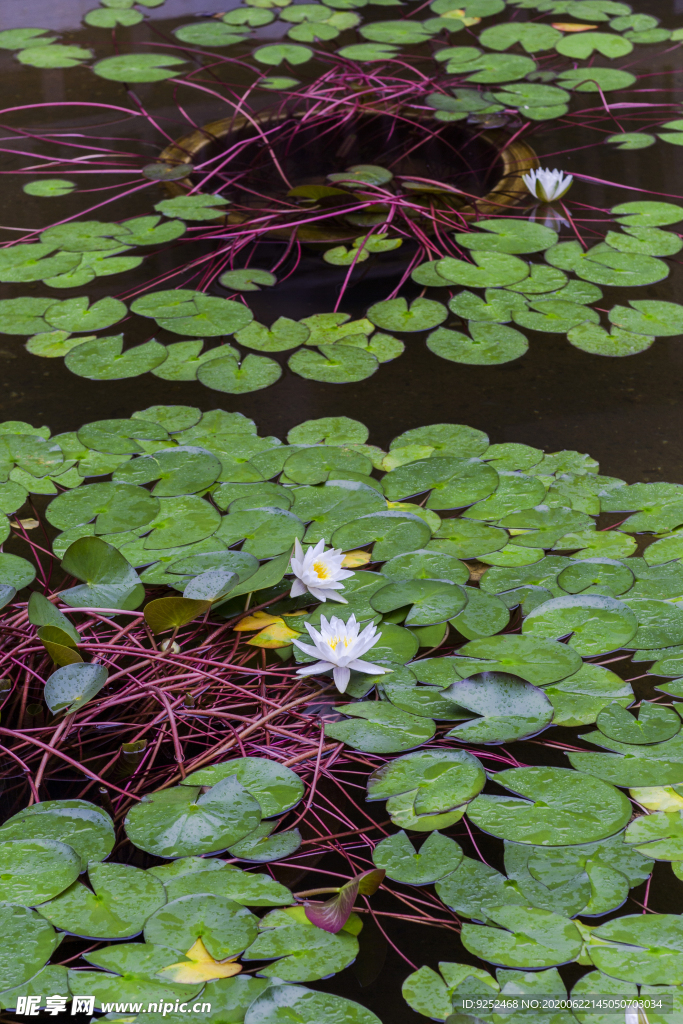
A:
104,358
509,236
179,822
431,601
554,807
488,270
224,927
131,969
84,827
303,951
579,698
426,565
249,889
515,491
181,470
28,943
595,624
510,708
490,344
535,938
284,334
35,870
463,538
429,788
475,887
438,856
613,577
279,1002
484,615
276,787
643,948
260,846
393,533
377,727
655,722
122,899
628,772
233,377
591,338
334,364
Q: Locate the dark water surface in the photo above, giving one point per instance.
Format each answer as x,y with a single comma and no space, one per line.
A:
627,412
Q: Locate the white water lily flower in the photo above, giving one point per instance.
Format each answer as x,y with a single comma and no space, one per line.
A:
547,185
318,572
339,645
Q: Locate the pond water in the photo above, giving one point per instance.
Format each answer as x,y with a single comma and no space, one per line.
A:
626,412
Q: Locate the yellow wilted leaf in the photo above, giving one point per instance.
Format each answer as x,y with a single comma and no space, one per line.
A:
569,27
200,966
275,635
352,559
256,621
659,798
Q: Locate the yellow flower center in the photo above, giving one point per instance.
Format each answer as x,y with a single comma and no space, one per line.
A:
334,643
321,570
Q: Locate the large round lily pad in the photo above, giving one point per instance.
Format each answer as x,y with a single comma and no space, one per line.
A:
554,807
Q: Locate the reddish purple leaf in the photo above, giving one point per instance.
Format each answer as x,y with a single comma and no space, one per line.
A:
333,915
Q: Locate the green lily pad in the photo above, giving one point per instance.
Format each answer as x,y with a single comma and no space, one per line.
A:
334,364
490,344
55,56
279,1003
109,581
279,53
77,315
490,269
382,728
181,470
35,870
535,938
401,33
73,686
192,875
209,33
33,262
658,835
510,236
592,338
19,38
316,464
632,140
15,571
483,616
579,699
649,317
368,51
138,67
475,888
651,241
79,824
195,207
426,565
122,899
647,213
628,772
559,807
596,624
642,948
260,847
132,969
532,36
434,995
510,708
431,600
304,952
428,789
515,491
395,315
659,623
28,943
393,533
228,375
179,822
465,539
276,788
285,334
596,79
52,978
581,45
104,358
655,722
396,855
225,927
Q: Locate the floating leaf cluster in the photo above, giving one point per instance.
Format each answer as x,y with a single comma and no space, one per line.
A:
491,558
